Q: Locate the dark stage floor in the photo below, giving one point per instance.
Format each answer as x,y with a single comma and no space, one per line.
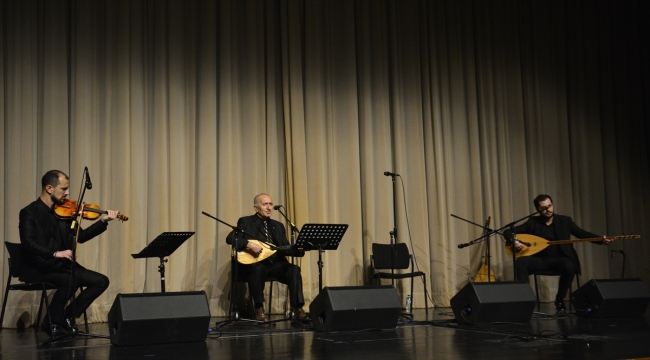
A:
438,337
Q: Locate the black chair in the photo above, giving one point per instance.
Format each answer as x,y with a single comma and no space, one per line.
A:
249,302
15,263
552,273
381,260
250,299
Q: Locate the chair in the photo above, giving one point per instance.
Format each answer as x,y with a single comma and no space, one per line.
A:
240,279
250,299
15,263
381,260
552,273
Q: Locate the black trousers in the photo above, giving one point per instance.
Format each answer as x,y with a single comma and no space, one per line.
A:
562,264
94,285
285,272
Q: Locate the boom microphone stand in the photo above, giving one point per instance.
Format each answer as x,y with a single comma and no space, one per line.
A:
510,227
233,278
292,226
294,231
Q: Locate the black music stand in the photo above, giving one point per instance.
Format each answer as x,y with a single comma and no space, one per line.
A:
320,237
164,245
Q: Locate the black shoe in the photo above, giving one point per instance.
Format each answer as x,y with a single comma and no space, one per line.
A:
300,315
52,331
69,328
559,305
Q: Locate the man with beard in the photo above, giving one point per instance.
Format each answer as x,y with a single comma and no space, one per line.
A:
47,243
561,258
262,227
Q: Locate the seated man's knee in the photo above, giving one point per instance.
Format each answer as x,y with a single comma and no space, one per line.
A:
102,282
294,271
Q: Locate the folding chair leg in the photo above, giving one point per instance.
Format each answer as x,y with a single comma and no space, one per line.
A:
536,292
426,301
270,295
40,308
4,302
86,322
47,308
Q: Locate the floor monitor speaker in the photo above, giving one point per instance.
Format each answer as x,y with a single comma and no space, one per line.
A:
611,298
137,319
355,308
494,302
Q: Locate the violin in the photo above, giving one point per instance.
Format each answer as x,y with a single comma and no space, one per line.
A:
90,211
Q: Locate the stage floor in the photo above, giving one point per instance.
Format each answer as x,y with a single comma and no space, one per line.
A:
438,336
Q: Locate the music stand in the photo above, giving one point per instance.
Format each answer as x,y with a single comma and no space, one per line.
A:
164,245
320,237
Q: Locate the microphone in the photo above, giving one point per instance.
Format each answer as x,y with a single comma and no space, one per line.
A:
276,207
89,184
388,173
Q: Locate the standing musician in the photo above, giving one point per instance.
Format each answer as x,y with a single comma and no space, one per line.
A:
561,258
262,227
47,242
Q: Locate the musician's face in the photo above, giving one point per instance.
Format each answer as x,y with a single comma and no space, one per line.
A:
264,206
59,193
548,213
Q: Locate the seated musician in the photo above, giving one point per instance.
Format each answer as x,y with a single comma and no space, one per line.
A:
561,258
47,243
262,227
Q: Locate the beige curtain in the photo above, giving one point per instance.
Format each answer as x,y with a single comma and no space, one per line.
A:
179,107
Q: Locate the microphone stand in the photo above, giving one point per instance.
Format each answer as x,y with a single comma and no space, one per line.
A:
487,232
233,279
74,237
393,234
293,228
509,226
393,241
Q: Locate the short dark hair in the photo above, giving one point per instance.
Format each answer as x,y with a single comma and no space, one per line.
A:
541,198
52,178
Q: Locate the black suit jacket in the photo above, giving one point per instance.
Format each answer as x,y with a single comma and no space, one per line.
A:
564,228
39,237
254,225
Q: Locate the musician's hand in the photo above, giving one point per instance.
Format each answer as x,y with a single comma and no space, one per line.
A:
110,215
606,241
64,254
518,245
254,248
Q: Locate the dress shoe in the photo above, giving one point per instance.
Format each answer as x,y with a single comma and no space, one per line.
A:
301,315
69,328
260,315
52,331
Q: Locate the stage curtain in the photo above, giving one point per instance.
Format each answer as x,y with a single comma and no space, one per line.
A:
181,107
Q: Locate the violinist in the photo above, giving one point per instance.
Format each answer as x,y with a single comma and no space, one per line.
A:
47,243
